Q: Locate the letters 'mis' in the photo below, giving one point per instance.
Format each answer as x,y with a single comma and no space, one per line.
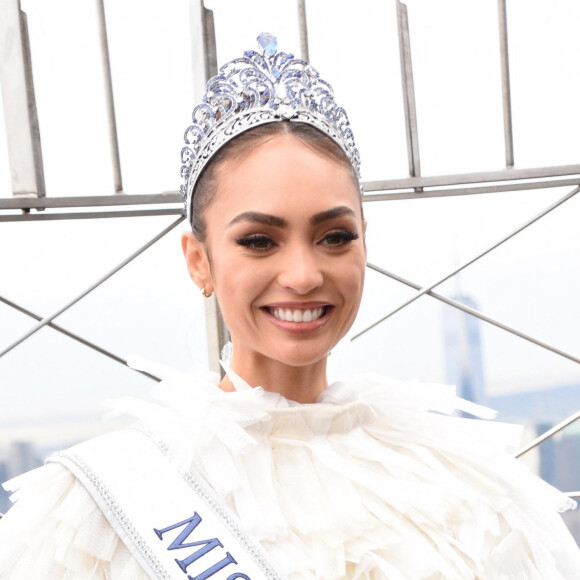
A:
203,547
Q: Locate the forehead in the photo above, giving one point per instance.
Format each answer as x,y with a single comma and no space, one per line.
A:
283,175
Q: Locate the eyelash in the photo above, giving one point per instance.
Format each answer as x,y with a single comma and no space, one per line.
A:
251,242
344,236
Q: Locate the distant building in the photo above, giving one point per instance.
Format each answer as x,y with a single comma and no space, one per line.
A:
22,457
548,455
463,360
542,409
16,458
549,405
559,456
4,501
568,461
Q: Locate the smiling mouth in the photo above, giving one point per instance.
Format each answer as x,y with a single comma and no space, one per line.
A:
297,315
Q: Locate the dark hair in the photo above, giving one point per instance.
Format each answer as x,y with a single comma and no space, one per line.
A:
205,187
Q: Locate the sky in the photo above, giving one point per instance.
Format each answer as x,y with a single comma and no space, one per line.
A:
152,310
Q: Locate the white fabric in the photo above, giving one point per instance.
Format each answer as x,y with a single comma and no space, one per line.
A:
371,482
187,514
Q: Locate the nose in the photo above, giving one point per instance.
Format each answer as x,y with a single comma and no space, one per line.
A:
300,270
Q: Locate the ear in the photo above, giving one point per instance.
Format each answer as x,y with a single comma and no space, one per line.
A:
197,261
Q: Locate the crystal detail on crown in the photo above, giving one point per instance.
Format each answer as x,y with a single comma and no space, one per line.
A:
256,89
268,43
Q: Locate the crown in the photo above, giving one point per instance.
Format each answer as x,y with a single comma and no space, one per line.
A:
259,88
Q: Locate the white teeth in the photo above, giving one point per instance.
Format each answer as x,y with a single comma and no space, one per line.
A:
297,315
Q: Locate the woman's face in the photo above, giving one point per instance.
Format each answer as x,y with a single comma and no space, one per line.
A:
285,238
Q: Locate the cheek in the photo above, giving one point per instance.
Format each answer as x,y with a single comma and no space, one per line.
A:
238,285
356,275
351,281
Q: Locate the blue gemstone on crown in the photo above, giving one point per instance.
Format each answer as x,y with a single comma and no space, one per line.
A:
268,43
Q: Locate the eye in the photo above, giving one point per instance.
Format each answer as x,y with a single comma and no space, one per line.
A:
256,243
338,239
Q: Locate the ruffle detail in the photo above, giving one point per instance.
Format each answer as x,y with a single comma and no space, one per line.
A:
374,474
56,531
374,481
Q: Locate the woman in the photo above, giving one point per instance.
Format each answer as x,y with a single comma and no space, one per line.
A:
363,479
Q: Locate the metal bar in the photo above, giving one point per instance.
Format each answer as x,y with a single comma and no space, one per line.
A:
433,193
19,102
91,200
27,217
76,337
209,43
303,27
476,313
110,101
383,185
549,433
104,278
203,25
478,177
23,203
216,332
495,245
505,84
199,60
408,91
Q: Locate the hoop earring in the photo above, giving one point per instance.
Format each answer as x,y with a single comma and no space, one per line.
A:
204,293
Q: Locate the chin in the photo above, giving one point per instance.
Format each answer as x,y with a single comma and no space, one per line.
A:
301,355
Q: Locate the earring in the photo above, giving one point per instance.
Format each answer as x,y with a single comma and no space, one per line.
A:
204,293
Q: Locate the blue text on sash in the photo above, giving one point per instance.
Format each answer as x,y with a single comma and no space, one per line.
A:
203,548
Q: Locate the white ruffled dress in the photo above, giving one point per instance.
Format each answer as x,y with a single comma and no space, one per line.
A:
372,482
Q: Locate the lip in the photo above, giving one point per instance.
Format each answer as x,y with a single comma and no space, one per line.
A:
298,327
296,305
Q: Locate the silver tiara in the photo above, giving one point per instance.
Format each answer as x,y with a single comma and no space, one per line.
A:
259,88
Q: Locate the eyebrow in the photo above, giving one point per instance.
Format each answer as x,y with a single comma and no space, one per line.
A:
272,220
260,218
330,214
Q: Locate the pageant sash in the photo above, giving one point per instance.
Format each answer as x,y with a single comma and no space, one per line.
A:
172,522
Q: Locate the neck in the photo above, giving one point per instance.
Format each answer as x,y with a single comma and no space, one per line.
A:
302,384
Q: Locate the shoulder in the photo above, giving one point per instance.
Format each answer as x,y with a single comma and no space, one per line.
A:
55,529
